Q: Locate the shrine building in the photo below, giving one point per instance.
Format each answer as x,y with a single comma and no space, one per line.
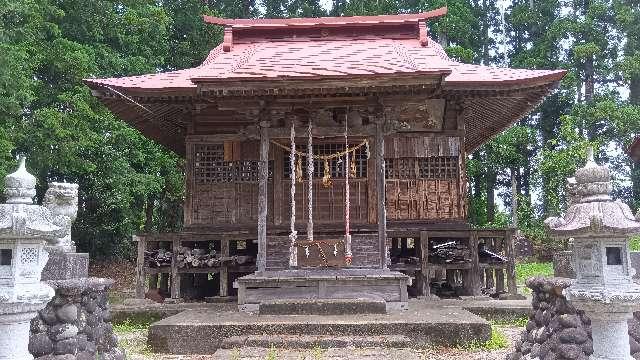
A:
325,159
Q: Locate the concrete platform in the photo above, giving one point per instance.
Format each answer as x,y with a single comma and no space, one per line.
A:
205,331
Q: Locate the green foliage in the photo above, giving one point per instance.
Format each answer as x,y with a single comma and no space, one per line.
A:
460,54
634,243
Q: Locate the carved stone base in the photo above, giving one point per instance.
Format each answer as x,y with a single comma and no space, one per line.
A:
64,265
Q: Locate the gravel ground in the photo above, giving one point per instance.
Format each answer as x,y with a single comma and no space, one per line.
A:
134,343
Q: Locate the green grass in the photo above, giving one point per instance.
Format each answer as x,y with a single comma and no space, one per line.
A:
132,333
497,341
133,323
519,321
272,354
526,270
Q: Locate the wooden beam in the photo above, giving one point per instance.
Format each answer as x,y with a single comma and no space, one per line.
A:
380,181
262,198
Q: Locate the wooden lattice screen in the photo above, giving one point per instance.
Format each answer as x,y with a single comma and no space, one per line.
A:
423,180
221,191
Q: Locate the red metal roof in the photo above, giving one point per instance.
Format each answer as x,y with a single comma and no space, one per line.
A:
376,50
330,59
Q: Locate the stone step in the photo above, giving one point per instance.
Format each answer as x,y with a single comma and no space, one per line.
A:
425,325
313,341
322,307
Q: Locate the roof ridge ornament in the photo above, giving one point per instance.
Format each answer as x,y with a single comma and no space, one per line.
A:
334,21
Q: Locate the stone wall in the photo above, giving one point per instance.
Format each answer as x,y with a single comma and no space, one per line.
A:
76,323
556,330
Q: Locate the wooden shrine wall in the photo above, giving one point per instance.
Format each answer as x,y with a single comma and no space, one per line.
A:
425,181
222,183
424,178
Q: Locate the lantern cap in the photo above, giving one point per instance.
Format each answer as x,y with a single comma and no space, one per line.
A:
20,186
593,211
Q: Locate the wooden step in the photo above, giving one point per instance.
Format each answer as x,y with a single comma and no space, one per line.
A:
313,341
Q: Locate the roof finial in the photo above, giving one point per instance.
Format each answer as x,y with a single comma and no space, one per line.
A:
20,186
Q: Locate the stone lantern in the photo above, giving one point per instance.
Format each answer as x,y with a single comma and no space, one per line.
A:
24,229
603,289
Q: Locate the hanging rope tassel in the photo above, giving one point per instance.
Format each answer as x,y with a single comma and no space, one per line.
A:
354,171
326,178
310,179
299,176
293,234
347,204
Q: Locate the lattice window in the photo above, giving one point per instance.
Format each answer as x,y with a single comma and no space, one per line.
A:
438,167
210,167
29,255
404,168
434,167
336,167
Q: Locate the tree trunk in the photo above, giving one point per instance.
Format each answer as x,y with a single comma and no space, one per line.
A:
148,222
634,91
589,80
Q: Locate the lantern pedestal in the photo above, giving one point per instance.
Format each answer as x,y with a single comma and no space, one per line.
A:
610,335
15,319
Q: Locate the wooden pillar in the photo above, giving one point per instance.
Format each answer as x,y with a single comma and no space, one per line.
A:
140,273
175,275
262,197
380,180
224,269
511,266
499,247
424,265
474,273
488,273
